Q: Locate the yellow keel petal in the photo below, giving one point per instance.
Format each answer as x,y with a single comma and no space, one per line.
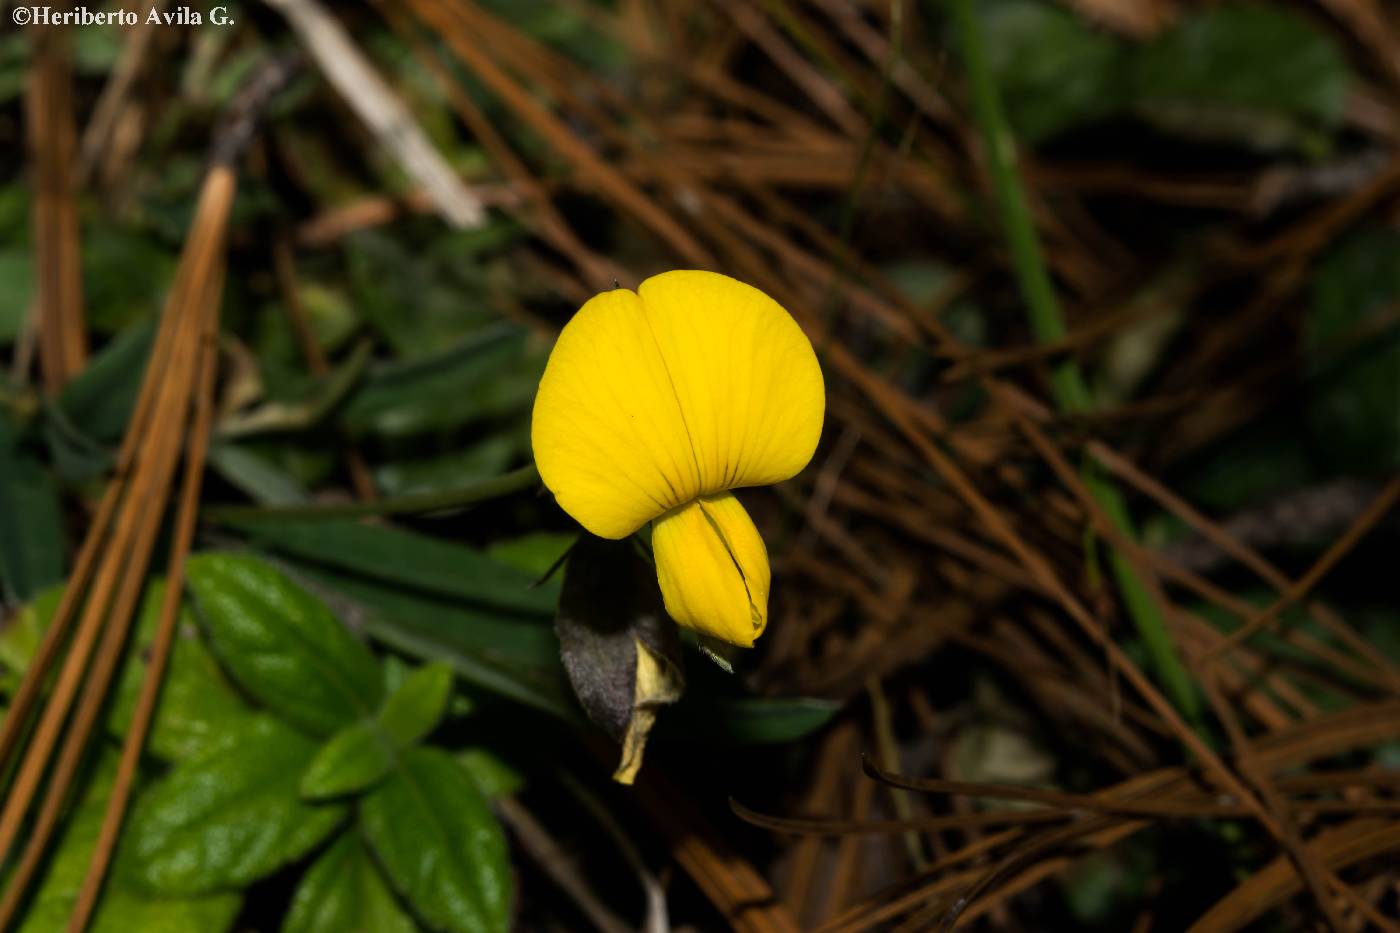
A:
713,569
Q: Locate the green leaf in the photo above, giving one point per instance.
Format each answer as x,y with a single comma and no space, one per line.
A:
488,375
125,274
535,553
1355,410
450,470
230,816
414,709
197,704
433,832
329,312
1056,72
262,481
516,658
95,51
407,559
491,773
321,395
31,546
282,645
353,759
1104,885
422,300
1264,460
123,906
17,285
100,398
1247,72
22,632
197,708
14,57
344,892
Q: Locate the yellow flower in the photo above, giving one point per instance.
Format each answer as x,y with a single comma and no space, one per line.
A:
656,403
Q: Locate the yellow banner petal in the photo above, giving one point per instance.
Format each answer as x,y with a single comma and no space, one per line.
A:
745,374
713,569
697,384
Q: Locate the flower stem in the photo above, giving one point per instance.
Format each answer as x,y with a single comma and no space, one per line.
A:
1071,391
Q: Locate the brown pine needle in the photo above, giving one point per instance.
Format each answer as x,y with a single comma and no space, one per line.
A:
59,299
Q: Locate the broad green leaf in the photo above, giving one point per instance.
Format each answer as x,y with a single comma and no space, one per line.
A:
397,670
123,907
197,704
282,645
344,892
441,847
1055,71
407,559
31,544
22,632
413,710
516,658
491,774
197,708
230,816
1355,410
1257,74
353,759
